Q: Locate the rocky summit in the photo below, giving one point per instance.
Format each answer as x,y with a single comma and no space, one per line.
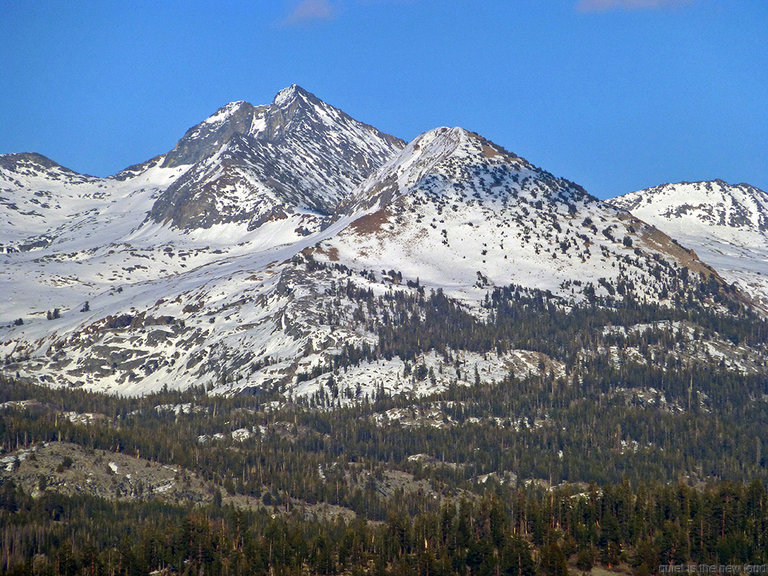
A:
292,249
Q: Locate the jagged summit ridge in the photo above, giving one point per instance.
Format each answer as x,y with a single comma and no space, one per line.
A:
292,110
290,93
252,163
290,107
214,132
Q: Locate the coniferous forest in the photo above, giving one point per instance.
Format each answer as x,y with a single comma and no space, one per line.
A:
629,463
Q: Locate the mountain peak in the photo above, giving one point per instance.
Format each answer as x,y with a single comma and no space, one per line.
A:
457,139
706,205
298,152
460,159
287,95
32,163
294,107
227,111
18,160
207,137
726,224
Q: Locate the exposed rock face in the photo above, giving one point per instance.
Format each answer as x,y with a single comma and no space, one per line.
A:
209,136
19,161
298,153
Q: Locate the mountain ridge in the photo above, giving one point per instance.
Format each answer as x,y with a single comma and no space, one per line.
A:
531,218
228,272
297,153
727,224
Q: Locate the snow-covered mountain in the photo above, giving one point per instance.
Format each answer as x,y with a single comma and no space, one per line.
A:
254,164
463,214
727,226
239,259
247,178
38,196
64,234
211,224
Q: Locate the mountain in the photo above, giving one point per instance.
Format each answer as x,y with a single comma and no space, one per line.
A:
727,225
461,213
23,215
64,234
291,249
258,163
296,344
287,163
95,251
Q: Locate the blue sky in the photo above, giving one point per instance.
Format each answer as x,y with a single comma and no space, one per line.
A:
616,95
